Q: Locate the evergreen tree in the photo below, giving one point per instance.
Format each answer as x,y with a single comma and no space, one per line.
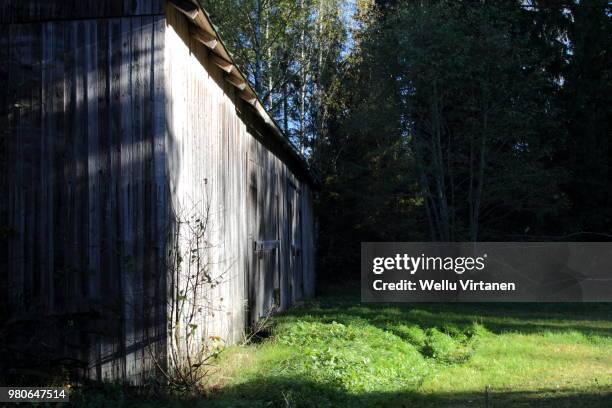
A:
440,120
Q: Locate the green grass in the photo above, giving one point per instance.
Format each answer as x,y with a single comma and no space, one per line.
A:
336,352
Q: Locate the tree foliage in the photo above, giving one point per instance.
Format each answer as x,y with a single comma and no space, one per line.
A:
439,120
288,50
474,120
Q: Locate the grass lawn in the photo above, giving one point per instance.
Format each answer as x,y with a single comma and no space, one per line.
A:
336,352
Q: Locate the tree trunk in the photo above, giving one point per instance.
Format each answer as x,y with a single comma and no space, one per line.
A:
258,47
269,64
475,215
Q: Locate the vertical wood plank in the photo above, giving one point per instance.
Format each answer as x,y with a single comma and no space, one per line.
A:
5,136
68,168
80,231
106,252
126,197
94,169
148,220
58,182
138,167
16,211
46,168
159,178
115,278
94,158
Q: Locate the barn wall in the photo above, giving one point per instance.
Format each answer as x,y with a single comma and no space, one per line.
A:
308,242
27,11
111,128
83,209
223,158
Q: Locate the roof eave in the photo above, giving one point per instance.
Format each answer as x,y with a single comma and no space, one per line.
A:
205,32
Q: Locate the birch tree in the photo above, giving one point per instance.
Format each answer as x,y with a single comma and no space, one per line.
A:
286,48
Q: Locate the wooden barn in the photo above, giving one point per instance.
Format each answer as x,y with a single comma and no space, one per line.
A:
134,155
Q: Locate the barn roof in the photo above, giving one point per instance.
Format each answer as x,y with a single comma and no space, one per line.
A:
205,32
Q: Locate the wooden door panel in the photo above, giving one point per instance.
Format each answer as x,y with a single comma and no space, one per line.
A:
264,265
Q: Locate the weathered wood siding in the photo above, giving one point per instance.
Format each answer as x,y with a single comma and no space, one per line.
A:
84,188
110,128
222,154
27,11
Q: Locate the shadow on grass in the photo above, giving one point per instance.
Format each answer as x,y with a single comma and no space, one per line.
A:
294,392
291,392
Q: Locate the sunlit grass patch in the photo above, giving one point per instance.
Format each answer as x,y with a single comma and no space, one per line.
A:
342,353
354,357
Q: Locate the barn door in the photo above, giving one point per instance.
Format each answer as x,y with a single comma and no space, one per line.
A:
295,235
263,243
253,278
